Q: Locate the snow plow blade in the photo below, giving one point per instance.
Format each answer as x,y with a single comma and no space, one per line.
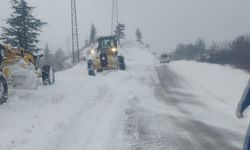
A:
21,78
24,81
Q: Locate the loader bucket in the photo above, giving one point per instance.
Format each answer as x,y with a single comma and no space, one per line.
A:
24,80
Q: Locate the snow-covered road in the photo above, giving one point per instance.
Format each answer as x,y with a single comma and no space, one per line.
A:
147,107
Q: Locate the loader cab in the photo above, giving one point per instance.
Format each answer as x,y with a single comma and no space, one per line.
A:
106,44
107,49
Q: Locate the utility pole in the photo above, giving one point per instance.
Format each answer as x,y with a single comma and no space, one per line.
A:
115,19
68,43
75,41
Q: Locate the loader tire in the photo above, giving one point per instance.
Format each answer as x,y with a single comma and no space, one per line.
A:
91,69
121,63
3,89
48,75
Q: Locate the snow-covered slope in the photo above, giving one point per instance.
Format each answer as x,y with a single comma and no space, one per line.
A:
124,110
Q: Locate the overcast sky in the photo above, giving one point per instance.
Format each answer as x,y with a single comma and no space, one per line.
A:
164,23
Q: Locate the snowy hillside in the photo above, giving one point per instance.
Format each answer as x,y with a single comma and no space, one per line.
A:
176,106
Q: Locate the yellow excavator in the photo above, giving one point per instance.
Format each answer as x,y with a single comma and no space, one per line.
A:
20,70
105,56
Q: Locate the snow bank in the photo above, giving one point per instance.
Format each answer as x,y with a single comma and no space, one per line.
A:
219,87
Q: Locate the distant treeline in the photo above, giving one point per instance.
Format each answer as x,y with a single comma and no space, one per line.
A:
59,59
235,53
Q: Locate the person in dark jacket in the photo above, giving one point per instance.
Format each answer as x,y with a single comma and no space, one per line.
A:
242,106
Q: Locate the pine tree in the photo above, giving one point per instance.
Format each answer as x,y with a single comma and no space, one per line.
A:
23,28
138,35
92,34
119,32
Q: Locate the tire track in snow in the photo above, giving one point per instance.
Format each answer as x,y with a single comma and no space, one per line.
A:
91,128
149,130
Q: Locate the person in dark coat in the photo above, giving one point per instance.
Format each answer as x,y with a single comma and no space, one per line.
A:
242,106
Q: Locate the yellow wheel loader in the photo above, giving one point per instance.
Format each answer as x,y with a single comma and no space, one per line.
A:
20,70
105,56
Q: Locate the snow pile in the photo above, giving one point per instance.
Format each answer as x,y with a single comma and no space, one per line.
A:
138,57
132,44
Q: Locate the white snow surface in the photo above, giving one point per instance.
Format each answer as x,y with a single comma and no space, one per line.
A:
80,112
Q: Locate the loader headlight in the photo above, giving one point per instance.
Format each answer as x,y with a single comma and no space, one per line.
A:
92,51
114,49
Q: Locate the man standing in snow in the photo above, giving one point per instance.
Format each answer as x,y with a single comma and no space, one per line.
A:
243,104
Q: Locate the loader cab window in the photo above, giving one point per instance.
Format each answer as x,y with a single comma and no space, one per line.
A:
106,43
